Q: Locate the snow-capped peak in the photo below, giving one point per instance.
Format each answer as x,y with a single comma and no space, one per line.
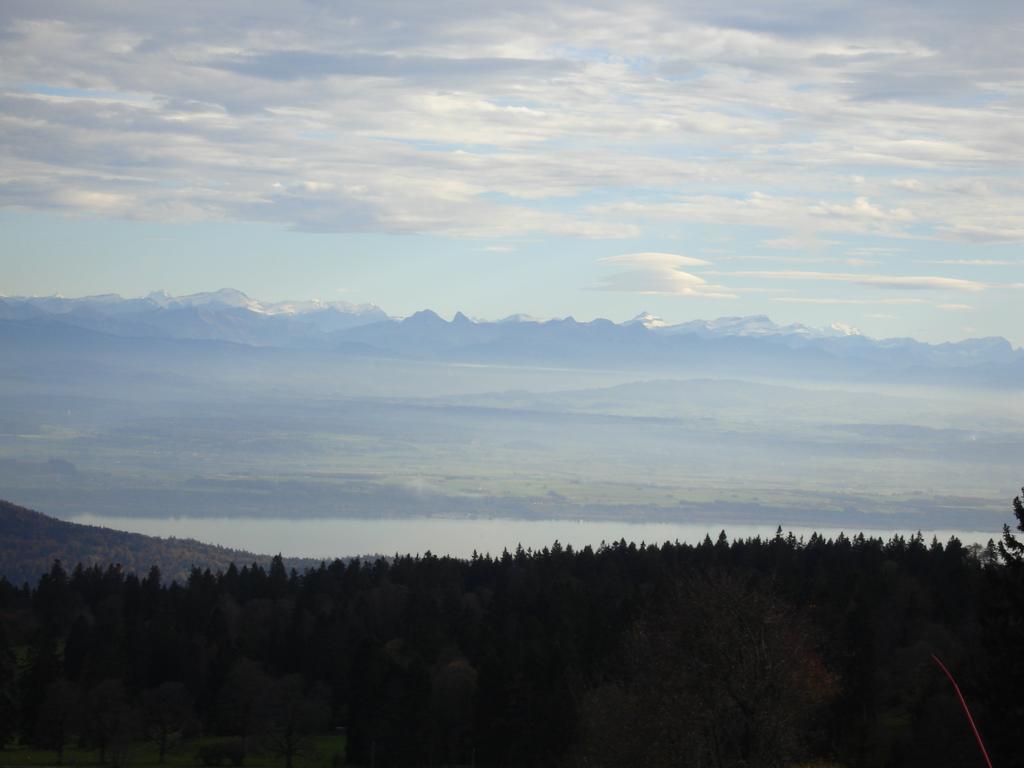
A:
225,297
755,325
520,317
843,329
647,320
235,299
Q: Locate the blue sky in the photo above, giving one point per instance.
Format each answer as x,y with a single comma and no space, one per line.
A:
817,162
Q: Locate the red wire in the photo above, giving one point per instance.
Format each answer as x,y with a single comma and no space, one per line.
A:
967,711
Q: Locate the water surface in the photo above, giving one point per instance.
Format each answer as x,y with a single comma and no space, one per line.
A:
320,538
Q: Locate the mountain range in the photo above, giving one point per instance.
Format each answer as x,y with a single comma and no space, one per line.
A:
727,344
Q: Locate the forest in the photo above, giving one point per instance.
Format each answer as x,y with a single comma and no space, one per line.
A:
753,652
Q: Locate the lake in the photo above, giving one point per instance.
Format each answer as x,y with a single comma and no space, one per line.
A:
320,538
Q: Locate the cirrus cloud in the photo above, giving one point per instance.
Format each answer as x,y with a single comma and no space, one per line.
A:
893,282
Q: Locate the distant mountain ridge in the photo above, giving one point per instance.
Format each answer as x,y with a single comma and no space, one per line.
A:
728,344
30,541
224,315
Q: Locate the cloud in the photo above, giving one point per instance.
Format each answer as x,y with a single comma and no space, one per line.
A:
849,261
758,209
830,301
798,243
985,233
955,307
862,208
973,262
875,252
315,65
655,260
889,282
490,120
659,273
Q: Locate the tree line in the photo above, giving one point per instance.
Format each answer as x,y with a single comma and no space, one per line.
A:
750,652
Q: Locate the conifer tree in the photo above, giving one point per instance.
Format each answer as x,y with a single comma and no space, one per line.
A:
1010,548
8,690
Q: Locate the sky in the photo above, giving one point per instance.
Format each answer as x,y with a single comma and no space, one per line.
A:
819,162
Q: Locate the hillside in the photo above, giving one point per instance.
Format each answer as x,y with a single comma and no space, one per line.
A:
31,541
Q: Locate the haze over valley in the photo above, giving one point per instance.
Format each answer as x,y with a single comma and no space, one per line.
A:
217,405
